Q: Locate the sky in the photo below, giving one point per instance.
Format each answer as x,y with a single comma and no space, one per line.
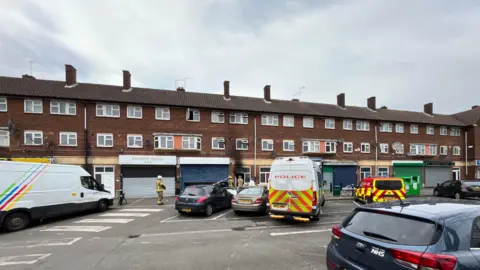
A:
406,53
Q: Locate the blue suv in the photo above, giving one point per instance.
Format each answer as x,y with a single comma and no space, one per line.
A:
426,234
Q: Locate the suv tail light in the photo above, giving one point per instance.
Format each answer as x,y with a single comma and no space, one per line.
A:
202,199
314,199
336,232
419,260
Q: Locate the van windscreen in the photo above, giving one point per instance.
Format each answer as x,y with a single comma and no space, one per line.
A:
388,184
290,180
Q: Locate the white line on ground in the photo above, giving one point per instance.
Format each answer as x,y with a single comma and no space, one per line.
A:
185,232
356,203
22,259
42,243
297,232
141,210
124,215
76,229
137,201
221,215
105,220
341,212
167,219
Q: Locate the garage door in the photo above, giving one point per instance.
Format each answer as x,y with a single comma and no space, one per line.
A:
202,174
139,181
344,175
434,175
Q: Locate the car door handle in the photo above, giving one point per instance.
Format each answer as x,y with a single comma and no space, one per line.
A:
81,195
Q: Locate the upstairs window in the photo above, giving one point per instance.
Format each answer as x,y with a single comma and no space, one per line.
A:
454,132
218,143
239,118
134,141
105,110
191,143
363,125
163,142
443,150
348,147
162,113
68,139
33,137
330,123
347,124
3,104
288,121
457,150
242,144
308,122
104,140
218,117
417,149
193,115
443,131
413,129
134,112
269,120
430,130
399,128
433,150
385,127
267,145
33,106
365,148
384,148
288,145
63,107
311,146
330,147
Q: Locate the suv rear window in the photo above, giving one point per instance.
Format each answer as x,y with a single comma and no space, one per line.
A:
391,228
388,184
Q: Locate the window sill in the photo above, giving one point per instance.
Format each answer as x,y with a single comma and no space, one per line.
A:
99,146
34,145
238,123
365,130
106,116
137,118
218,149
178,150
62,145
33,112
62,114
241,149
132,147
161,119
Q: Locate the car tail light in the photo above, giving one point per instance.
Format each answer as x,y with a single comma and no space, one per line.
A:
314,199
419,260
336,232
258,201
464,188
178,198
202,199
234,199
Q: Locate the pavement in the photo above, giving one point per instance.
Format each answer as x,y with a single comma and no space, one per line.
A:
142,235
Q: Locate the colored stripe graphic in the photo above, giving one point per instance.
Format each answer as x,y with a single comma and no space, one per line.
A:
9,190
16,181
24,187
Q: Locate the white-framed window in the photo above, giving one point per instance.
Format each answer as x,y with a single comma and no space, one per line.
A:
399,128
3,104
384,148
347,124
163,142
311,146
454,132
264,174
399,149
134,112
365,148
456,150
239,118
348,147
308,122
68,139
241,144
363,125
288,121
33,106
443,150
162,113
330,147
218,143
478,173
432,149
218,117
386,127
417,149
383,171
4,138
193,115
430,130
63,107
443,131
413,129
269,120
330,123
32,137
267,145
108,110
191,143
456,173
134,141
288,145
365,172
104,140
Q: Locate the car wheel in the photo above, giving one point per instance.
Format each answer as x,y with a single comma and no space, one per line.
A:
16,222
458,196
208,210
435,193
102,206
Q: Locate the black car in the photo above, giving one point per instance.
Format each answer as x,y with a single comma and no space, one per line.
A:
204,199
431,233
458,189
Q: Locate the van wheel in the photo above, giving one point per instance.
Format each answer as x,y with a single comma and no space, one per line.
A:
16,222
102,206
458,196
323,202
316,217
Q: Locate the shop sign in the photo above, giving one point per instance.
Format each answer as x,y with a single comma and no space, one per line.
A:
147,160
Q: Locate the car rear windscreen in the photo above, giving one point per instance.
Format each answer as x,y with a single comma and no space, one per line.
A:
393,229
251,191
388,184
471,183
194,191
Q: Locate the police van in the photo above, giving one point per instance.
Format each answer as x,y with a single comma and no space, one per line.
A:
295,189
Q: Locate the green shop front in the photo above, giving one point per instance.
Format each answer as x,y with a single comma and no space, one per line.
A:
411,172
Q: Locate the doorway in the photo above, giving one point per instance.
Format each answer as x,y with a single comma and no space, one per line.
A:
456,173
243,172
106,175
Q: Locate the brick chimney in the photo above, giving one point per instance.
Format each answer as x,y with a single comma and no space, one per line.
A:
266,93
180,89
26,76
372,103
127,82
226,90
475,107
341,100
428,108
70,75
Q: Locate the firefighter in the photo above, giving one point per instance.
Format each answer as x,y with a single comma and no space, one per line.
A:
239,181
230,182
160,187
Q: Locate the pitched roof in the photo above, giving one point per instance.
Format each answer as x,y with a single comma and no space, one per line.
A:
110,93
469,117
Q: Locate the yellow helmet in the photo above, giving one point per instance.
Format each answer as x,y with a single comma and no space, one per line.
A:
230,177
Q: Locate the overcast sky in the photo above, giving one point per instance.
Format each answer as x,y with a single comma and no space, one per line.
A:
406,53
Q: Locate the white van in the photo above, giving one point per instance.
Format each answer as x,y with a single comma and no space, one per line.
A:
295,189
33,191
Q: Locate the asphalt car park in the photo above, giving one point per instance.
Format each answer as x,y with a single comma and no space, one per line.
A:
142,235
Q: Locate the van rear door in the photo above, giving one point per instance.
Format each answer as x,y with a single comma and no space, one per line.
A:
291,190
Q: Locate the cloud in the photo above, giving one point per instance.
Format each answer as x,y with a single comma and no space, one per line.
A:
404,53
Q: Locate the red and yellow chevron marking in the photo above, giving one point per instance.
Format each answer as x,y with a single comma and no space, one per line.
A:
379,195
303,202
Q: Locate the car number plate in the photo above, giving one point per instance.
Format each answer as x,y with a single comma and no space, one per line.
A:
245,201
187,210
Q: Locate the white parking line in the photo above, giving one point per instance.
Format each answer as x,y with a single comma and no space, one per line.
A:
141,210
105,220
76,229
221,215
167,219
22,259
42,243
297,232
124,215
356,203
341,212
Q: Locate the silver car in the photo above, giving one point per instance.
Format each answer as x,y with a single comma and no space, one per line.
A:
251,199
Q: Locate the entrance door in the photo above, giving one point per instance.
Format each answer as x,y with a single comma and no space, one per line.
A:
106,175
456,173
328,178
243,172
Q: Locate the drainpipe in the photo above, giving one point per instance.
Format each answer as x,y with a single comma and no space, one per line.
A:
86,135
376,149
255,147
466,154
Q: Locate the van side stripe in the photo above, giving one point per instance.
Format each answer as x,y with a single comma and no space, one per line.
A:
18,198
16,181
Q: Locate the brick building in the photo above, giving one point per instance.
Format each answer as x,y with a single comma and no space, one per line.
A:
197,137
